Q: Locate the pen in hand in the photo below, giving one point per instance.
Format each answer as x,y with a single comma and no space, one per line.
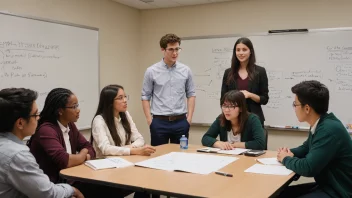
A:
224,174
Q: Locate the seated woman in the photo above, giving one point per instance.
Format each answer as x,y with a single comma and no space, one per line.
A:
113,130
57,143
236,127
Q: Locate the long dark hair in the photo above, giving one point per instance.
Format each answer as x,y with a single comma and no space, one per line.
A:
56,99
238,99
235,63
106,110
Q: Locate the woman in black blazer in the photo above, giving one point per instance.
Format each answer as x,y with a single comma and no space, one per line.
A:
246,76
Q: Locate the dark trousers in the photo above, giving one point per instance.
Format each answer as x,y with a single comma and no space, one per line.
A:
162,131
309,190
96,191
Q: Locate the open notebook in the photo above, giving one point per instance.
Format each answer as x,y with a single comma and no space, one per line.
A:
235,151
113,162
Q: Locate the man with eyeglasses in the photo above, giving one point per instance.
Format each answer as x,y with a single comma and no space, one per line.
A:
167,84
20,175
327,153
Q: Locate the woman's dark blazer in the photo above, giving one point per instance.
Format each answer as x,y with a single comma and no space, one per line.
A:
259,86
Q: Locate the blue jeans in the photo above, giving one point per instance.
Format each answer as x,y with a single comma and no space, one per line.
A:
164,131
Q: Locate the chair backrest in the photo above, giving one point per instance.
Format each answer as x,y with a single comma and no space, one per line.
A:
266,138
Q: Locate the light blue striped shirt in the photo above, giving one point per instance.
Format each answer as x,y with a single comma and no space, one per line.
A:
168,88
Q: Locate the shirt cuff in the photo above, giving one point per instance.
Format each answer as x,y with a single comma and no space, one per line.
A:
188,95
145,97
69,191
127,151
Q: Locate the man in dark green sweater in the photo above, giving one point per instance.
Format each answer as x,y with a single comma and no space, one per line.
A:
327,153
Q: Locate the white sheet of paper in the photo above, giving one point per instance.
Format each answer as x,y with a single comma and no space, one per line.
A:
188,162
269,161
235,151
120,162
268,169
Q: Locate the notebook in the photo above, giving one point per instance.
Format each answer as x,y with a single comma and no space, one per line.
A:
113,162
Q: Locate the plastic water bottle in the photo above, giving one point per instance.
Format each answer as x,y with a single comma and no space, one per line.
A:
183,142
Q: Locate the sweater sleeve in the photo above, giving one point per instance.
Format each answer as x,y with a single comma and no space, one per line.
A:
209,138
50,143
99,132
322,151
258,139
301,151
82,142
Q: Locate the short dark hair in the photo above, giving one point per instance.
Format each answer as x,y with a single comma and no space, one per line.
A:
314,94
169,38
56,99
106,110
15,103
238,99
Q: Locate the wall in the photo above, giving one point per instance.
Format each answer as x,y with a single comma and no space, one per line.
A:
119,31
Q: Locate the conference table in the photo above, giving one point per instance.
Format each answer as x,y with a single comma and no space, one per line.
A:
181,184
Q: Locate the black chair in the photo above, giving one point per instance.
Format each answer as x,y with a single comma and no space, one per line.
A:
266,138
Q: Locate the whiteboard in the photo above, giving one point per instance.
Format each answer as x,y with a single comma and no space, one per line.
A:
42,55
321,54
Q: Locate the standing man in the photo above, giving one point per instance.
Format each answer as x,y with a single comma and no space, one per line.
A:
168,83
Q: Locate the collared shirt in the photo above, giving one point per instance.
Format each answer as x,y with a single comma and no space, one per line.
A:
20,175
168,88
66,137
105,145
312,129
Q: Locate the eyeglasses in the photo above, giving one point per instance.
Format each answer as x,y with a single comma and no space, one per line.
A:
121,98
228,107
36,115
172,50
295,105
76,106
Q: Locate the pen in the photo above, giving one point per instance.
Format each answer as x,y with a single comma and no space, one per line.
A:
224,174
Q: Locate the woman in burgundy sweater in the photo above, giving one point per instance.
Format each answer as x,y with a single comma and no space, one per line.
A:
57,143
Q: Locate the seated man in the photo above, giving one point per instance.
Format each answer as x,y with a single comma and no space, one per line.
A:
327,153
20,175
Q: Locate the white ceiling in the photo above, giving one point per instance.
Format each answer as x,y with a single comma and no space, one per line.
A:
165,3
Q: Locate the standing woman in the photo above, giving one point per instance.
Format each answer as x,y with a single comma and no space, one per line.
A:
247,77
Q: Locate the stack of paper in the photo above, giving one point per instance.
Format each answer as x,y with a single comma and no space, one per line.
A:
114,162
268,169
188,162
235,151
